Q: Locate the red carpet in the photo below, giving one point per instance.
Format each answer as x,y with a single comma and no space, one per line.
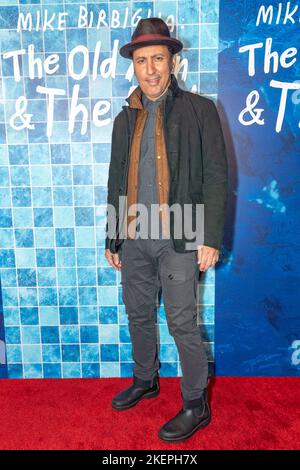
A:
247,413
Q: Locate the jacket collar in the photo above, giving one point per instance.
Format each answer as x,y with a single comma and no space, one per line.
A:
135,98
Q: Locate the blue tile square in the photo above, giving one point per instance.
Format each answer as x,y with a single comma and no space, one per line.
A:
29,316
86,257
22,217
48,296
44,237
27,277
50,334
5,218
67,296
124,334
69,333
11,316
41,175
52,371
71,370
125,352
109,352
87,295
15,371
91,370
12,335
62,196
70,353
51,353
60,153
68,315
30,334
63,216
7,259
18,154
90,353
86,276
5,197
46,277
107,277
32,353
25,257
33,371
39,154
19,176
9,296
108,315
4,176
66,276
13,353
8,277
48,316
61,175
83,196
89,334
41,197
84,216
24,238
28,296
88,315
43,217
45,257
82,174
21,197
64,237
65,257
81,153
109,369
85,237
6,238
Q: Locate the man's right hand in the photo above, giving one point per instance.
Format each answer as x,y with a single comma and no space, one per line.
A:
113,259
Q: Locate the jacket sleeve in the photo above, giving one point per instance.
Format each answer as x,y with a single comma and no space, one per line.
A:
115,172
215,175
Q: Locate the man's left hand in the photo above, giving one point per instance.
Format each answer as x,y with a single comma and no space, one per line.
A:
207,257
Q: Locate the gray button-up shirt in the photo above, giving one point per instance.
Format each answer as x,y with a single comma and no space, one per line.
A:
147,189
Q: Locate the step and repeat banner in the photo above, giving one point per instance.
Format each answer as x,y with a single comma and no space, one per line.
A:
257,287
62,84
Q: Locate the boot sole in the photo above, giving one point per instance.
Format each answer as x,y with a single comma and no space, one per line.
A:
186,436
146,395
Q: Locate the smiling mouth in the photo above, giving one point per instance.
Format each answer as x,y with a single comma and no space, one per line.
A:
153,82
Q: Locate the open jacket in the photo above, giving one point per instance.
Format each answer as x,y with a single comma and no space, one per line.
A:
192,162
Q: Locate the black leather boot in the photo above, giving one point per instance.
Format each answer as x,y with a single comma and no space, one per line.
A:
137,391
194,415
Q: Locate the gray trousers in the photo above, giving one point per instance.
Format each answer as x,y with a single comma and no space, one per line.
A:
147,266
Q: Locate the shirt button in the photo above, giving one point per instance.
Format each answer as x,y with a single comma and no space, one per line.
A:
158,157
159,183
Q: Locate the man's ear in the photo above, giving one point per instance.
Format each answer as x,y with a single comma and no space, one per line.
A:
173,64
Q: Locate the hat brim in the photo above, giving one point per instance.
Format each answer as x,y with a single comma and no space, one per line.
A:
127,49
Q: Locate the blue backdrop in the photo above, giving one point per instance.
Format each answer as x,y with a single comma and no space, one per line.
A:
257,288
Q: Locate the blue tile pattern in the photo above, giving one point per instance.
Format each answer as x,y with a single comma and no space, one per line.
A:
63,314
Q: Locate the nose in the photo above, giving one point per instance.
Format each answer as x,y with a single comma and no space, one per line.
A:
150,67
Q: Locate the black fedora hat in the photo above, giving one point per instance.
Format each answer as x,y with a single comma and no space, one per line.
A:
148,32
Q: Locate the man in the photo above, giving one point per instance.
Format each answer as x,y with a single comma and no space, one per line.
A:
167,148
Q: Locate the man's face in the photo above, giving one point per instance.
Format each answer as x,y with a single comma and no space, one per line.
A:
152,67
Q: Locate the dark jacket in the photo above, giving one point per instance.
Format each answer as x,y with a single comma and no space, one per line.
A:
198,168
